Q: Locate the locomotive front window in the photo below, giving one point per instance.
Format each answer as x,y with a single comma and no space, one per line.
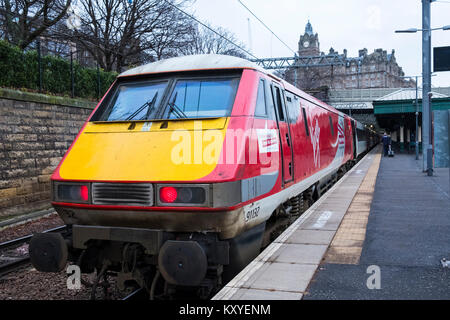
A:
134,101
170,98
201,98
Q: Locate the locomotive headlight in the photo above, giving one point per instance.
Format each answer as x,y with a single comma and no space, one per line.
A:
186,195
67,192
182,195
168,194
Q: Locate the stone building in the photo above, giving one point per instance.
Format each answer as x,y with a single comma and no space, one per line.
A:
322,71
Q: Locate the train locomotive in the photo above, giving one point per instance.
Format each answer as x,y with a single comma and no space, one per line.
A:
177,175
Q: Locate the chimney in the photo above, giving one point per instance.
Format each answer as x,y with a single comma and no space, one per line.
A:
363,52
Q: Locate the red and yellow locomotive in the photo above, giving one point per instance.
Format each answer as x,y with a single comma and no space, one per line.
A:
181,165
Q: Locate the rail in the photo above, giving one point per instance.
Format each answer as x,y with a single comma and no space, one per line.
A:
17,262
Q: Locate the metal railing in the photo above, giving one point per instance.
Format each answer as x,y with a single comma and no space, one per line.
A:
69,57
47,68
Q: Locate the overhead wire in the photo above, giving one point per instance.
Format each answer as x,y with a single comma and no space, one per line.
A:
211,29
262,22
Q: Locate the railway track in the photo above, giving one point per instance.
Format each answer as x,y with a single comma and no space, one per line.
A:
14,253
138,294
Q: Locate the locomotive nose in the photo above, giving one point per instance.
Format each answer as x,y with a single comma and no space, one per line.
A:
182,262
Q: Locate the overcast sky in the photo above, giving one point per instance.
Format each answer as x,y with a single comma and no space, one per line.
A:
341,24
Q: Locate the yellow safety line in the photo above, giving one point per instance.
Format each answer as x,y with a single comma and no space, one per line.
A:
347,244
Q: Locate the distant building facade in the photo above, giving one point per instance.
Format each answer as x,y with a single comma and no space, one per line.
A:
375,70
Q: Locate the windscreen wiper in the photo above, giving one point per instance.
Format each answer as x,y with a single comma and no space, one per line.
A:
175,109
149,104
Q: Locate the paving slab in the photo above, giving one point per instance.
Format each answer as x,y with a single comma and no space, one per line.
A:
299,253
273,276
255,294
329,221
311,237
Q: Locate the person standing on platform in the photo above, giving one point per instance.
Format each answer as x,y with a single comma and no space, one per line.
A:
386,142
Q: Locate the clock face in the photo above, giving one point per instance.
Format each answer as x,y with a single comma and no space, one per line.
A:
306,44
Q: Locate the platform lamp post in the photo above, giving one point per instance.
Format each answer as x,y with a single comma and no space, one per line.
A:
427,125
417,119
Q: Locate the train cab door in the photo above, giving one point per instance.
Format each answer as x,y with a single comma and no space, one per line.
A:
284,132
355,139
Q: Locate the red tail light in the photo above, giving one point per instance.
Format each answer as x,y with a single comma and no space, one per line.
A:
168,194
68,192
84,193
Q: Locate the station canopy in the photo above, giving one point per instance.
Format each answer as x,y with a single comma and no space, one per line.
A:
403,101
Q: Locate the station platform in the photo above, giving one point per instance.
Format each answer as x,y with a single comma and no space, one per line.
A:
385,213
285,268
407,235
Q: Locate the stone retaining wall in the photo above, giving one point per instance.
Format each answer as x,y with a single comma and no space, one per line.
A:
35,132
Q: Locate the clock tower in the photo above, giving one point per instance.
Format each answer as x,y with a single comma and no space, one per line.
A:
309,43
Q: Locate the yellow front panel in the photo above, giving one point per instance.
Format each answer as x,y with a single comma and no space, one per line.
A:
178,151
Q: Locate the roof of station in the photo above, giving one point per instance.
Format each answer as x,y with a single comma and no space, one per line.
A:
407,94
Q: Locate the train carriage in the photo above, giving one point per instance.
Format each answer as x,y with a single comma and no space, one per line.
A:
182,167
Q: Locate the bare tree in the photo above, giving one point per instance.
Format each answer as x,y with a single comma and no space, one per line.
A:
203,40
168,38
116,33
315,81
119,33
25,20
308,78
